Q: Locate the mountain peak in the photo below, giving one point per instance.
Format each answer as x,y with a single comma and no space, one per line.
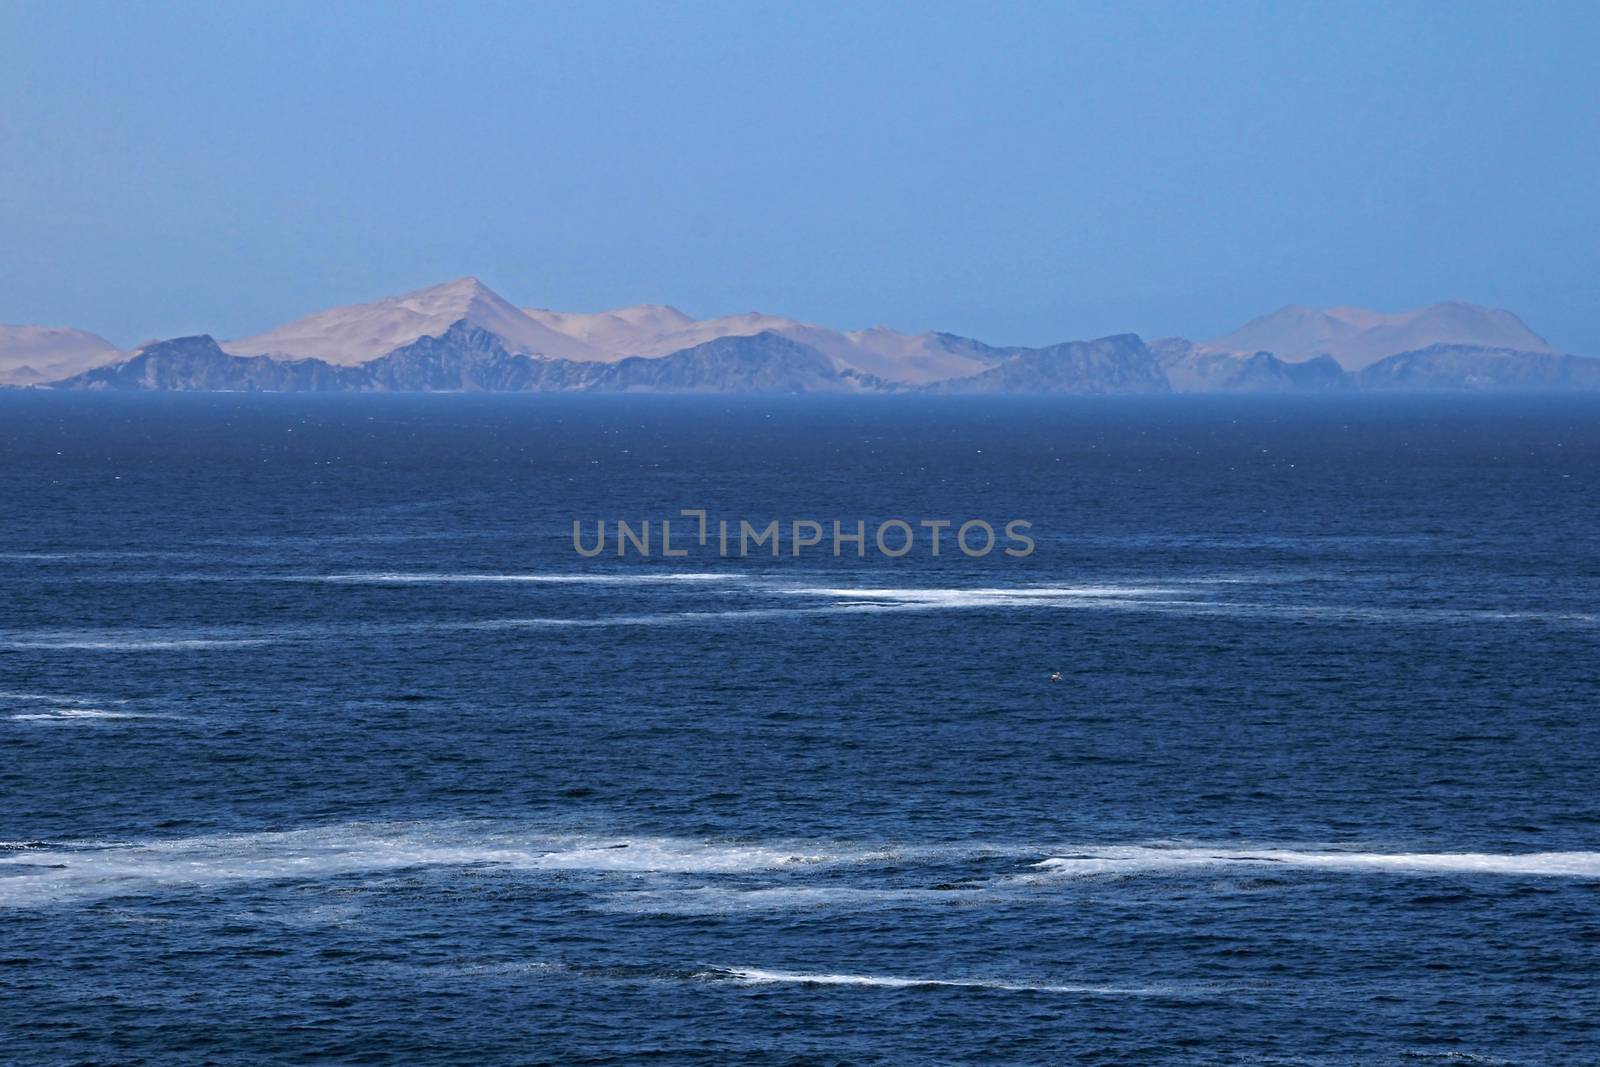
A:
349,336
1357,337
665,310
466,288
462,295
43,353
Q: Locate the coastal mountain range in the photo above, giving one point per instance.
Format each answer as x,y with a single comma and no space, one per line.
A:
34,355
461,336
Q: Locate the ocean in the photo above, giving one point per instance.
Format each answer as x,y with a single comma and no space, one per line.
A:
322,742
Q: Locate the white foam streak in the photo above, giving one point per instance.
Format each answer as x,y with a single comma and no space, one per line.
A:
79,715
91,870
718,900
669,618
908,598
403,578
1134,859
136,639
54,698
773,875
1177,597
758,976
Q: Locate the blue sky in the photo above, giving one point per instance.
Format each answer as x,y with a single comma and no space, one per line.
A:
1024,173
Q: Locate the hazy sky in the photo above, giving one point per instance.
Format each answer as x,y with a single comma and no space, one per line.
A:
1022,173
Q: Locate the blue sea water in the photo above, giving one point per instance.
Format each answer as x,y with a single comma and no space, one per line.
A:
319,742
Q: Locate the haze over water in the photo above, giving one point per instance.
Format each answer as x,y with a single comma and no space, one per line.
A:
320,739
